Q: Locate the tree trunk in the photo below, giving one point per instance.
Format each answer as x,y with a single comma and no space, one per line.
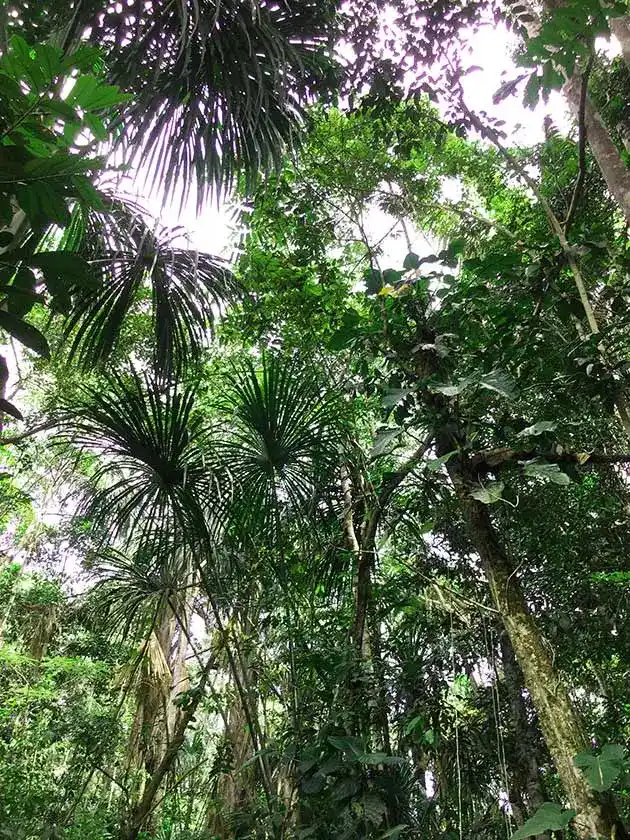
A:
620,28
615,172
145,806
560,724
236,787
526,794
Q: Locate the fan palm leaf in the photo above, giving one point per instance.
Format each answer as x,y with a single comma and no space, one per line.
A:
283,439
138,267
218,85
132,589
151,485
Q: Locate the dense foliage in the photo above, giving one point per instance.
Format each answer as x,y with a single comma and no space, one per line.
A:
329,539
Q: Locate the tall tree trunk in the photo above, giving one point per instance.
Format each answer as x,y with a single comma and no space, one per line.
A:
615,172
236,787
620,28
560,724
143,809
526,794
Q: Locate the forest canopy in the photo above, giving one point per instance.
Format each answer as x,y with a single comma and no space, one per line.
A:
321,533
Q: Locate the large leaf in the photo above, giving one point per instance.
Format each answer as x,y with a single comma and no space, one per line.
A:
217,87
25,333
128,260
284,439
538,428
385,437
549,817
602,770
490,493
551,472
152,482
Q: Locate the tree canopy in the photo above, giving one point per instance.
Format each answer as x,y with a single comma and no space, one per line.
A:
328,537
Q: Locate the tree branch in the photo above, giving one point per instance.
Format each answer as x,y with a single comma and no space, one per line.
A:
494,459
581,146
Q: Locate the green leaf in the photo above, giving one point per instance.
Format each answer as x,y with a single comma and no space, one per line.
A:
490,493
549,817
603,770
25,333
411,261
500,382
396,831
64,265
384,437
379,758
345,788
453,390
538,429
531,93
417,722
373,281
21,293
59,108
391,277
437,463
394,396
551,472
90,94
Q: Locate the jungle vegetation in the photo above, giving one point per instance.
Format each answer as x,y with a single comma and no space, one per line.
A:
328,538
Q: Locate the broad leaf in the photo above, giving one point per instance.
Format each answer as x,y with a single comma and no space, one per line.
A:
549,817
490,493
437,463
385,436
604,769
500,382
538,429
550,472
25,333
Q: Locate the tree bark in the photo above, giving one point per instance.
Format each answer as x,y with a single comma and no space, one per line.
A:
143,809
560,724
620,28
615,172
526,794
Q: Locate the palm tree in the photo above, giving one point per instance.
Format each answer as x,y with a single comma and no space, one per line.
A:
217,91
282,438
175,498
132,257
218,86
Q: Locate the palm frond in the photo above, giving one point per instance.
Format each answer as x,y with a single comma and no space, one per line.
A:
283,440
138,267
219,85
151,484
132,589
